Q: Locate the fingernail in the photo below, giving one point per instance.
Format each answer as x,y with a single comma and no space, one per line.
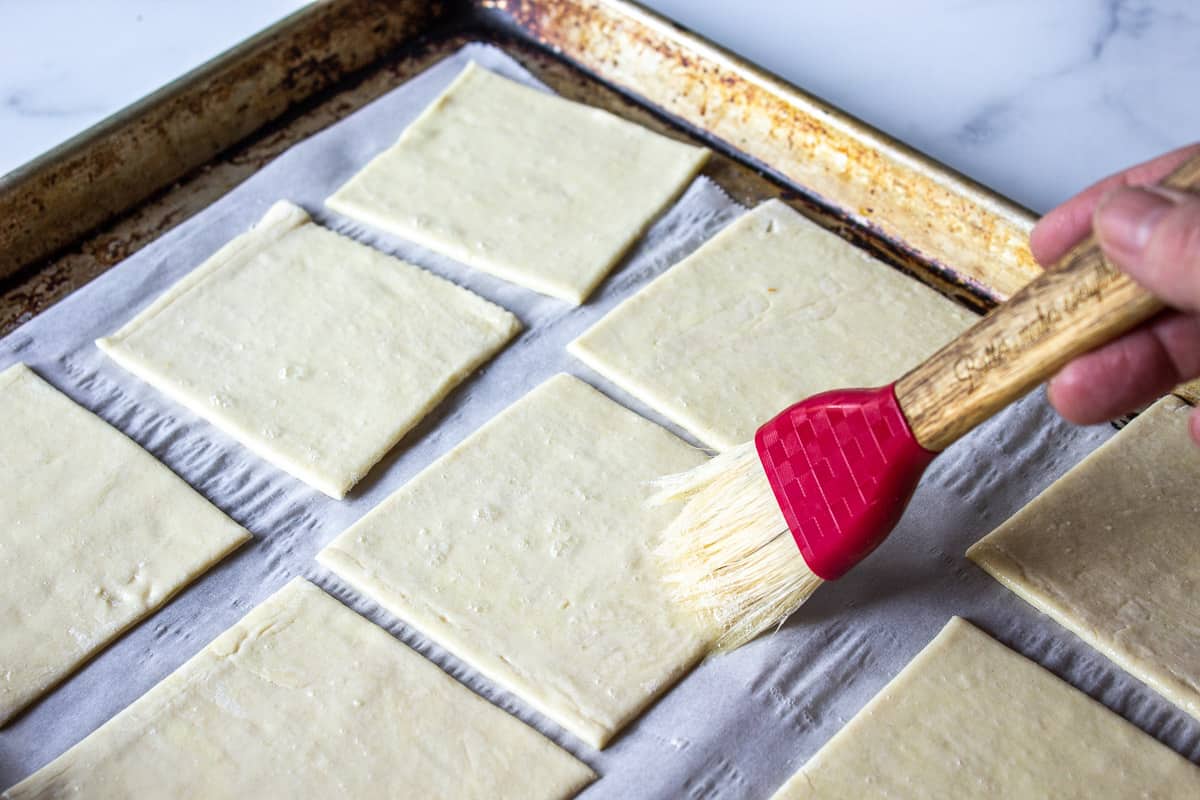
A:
1125,220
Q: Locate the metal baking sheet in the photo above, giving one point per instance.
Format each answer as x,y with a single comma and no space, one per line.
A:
734,728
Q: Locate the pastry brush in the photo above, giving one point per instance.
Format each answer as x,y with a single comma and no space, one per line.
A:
763,524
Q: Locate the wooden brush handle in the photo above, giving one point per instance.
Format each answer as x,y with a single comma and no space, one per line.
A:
1077,305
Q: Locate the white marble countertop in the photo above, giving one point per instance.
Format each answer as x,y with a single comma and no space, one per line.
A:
1030,97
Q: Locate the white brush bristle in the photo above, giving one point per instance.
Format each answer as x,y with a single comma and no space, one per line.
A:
728,554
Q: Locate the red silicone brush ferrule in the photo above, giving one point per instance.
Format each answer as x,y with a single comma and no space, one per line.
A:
842,465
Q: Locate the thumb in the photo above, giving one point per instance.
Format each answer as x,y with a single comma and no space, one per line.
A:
1153,235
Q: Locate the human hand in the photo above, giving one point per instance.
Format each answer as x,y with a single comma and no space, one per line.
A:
1152,235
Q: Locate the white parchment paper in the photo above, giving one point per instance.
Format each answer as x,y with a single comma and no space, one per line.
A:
739,724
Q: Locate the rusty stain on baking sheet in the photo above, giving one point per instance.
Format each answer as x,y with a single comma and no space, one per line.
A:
971,233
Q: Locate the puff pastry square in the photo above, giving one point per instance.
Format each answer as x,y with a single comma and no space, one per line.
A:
1111,551
313,350
969,718
303,698
526,185
95,534
769,311
526,551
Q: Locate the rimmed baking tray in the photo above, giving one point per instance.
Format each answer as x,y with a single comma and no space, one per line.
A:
87,205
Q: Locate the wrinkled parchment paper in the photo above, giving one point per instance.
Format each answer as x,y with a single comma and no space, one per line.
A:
739,724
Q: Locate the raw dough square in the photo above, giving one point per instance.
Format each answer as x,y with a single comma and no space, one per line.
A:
526,552
1111,551
771,310
535,189
969,718
314,351
94,535
305,699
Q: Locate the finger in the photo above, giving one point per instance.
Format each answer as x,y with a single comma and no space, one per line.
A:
1129,372
1059,230
1153,235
